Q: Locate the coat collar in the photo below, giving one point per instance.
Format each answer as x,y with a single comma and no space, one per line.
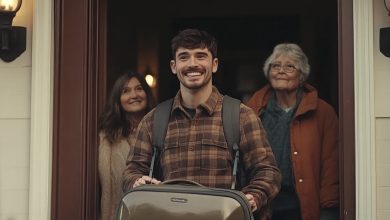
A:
309,99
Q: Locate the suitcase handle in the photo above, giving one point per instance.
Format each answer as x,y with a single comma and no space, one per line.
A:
182,182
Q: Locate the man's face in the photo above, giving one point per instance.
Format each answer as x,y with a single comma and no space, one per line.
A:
194,67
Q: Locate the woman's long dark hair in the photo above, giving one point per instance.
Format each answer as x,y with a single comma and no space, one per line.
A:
114,121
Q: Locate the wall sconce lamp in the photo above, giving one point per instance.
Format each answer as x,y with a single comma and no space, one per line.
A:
12,38
384,35
150,77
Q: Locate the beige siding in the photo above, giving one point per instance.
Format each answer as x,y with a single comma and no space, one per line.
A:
15,92
381,63
382,167
14,168
382,115
15,89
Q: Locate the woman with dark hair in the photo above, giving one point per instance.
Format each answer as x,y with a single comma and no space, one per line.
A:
130,99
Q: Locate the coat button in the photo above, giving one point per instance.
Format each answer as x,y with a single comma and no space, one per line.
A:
300,180
295,152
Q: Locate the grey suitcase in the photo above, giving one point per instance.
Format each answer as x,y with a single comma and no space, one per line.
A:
183,200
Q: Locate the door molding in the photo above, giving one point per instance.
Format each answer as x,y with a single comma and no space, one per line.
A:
346,110
79,70
79,92
364,108
41,112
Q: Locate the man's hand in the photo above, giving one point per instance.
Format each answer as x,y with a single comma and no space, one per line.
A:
145,180
251,201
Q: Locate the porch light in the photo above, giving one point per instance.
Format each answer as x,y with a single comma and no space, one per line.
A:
12,38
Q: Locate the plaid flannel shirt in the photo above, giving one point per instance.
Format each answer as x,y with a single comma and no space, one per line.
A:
196,149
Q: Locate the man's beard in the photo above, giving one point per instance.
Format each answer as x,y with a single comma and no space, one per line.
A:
196,86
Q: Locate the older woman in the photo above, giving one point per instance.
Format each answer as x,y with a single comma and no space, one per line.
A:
303,132
131,98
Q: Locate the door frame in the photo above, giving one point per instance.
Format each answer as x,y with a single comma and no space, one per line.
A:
79,93
346,110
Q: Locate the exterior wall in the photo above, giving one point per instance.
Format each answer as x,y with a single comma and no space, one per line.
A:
25,161
15,90
382,114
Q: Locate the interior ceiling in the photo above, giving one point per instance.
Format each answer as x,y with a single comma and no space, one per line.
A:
176,8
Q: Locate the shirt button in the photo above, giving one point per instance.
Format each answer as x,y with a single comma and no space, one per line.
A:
300,180
295,152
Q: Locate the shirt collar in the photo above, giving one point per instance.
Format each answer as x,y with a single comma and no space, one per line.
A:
209,105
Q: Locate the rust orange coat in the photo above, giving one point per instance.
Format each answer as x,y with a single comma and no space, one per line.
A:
314,150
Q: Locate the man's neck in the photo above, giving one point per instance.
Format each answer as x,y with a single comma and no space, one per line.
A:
193,98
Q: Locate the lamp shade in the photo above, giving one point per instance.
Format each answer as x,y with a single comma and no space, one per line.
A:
12,38
10,6
8,9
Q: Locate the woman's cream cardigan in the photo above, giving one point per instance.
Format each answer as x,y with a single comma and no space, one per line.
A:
112,162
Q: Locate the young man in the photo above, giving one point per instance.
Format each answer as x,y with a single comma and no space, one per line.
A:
195,147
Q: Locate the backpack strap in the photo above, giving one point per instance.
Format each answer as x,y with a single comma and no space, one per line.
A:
231,119
231,128
160,124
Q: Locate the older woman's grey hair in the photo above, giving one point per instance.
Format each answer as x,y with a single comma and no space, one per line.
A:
294,52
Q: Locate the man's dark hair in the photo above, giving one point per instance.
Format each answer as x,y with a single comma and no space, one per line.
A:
194,38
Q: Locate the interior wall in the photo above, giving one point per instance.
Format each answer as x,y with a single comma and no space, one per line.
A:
246,32
15,90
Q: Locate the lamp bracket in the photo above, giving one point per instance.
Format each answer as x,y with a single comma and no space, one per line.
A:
12,42
384,41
